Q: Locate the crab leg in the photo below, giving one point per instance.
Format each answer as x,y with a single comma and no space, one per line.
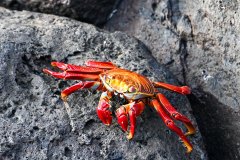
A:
102,65
133,109
74,76
94,85
75,68
170,124
103,112
181,90
175,114
122,117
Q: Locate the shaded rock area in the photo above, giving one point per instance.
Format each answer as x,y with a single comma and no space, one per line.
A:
199,42
90,11
34,123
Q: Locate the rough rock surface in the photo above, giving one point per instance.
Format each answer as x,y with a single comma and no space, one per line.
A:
34,123
91,11
199,42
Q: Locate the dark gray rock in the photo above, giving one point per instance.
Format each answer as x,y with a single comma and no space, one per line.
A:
199,42
90,11
34,123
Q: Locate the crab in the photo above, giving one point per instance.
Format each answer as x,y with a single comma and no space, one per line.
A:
137,89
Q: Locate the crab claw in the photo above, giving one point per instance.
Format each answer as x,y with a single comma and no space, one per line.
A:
103,113
122,118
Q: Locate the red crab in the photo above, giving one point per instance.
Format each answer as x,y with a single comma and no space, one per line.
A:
135,88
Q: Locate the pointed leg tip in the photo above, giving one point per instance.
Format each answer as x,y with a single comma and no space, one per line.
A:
107,124
64,97
53,64
186,90
188,146
187,134
129,136
191,129
189,151
46,71
190,133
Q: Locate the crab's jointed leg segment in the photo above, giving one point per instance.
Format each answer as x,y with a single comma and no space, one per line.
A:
122,117
74,72
103,112
181,90
94,85
170,124
75,68
133,109
72,75
102,65
175,114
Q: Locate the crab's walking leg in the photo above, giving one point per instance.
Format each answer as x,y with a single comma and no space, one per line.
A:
170,124
75,68
103,112
94,85
181,90
133,109
175,114
87,73
102,65
72,75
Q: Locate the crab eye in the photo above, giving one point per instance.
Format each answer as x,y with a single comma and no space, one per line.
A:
106,79
132,89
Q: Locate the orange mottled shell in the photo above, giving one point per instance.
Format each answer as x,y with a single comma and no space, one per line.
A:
130,84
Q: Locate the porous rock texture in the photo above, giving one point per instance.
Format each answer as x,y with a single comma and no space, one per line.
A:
91,11
35,124
199,42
